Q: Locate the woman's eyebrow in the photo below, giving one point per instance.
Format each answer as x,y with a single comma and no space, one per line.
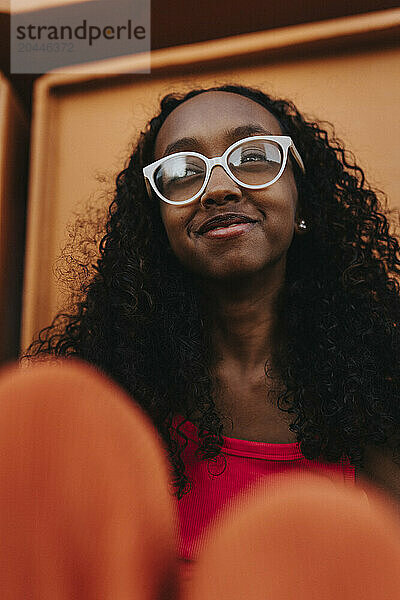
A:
234,133
246,131
181,144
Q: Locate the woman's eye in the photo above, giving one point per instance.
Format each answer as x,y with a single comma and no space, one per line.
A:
187,173
253,156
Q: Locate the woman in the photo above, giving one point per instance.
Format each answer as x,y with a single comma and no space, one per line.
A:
250,302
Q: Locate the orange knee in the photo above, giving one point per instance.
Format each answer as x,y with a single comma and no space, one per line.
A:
309,540
84,490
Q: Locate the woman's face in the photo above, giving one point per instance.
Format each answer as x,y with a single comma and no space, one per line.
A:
209,120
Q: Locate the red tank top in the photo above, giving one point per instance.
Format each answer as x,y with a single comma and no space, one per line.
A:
247,464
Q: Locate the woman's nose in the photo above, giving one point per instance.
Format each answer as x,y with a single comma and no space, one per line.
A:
220,188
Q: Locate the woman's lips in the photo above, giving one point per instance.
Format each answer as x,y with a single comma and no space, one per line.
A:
229,231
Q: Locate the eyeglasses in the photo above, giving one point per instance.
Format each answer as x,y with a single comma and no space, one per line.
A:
254,162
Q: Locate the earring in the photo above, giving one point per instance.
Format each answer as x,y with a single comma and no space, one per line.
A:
302,224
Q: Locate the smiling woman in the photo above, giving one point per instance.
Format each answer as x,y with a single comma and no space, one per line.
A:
231,189
246,298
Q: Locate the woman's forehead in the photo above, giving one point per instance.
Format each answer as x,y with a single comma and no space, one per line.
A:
210,115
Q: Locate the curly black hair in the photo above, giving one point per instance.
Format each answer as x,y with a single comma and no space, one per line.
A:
139,317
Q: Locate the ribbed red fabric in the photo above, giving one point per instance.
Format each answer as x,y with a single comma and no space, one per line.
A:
247,464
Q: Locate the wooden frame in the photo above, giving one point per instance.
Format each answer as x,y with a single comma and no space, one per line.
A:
14,140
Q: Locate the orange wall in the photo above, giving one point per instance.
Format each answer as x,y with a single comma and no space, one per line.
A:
83,131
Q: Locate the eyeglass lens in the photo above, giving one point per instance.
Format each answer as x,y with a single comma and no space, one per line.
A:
254,163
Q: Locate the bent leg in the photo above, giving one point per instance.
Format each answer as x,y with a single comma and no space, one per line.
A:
306,541
85,506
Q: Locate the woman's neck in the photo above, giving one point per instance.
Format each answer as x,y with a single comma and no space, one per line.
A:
242,322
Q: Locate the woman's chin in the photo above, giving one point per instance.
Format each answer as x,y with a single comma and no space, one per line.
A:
230,272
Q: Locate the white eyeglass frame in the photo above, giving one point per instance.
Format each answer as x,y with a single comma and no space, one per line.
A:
284,141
